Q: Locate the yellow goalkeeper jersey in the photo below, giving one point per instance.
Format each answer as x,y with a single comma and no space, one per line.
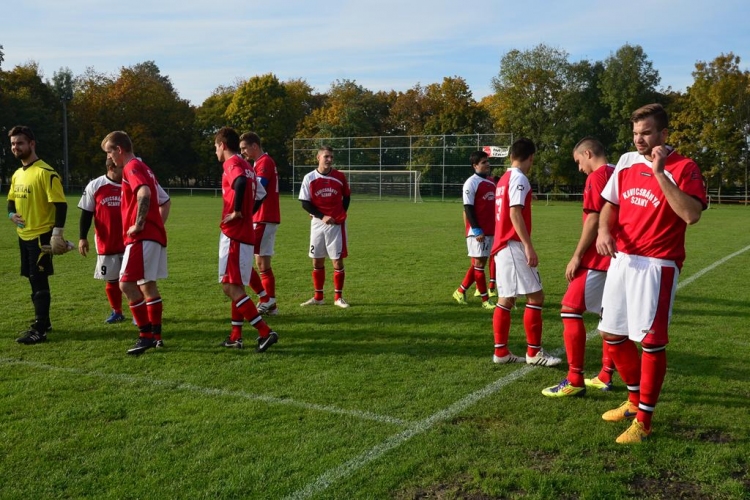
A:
34,190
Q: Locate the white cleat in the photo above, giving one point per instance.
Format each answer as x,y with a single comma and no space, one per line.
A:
264,307
313,302
508,358
542,359
341,303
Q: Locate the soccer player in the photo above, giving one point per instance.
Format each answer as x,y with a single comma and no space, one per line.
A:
242,196
516,260
652,196
479,217
585,273
145,258
100,203
37,207
265,222
325,195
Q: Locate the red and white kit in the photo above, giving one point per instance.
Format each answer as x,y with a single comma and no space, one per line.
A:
327,193
480,192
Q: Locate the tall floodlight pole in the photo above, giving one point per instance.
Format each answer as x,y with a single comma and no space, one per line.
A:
66,175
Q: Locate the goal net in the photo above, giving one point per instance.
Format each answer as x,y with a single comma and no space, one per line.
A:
384,184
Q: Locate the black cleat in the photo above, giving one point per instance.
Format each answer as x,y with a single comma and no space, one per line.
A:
232,344
141,346
32,336
265,342
159,344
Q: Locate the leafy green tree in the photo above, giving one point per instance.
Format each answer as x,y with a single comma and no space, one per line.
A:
712,121
209,118
628,82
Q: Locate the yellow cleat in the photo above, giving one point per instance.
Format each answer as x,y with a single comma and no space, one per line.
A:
459,297
625,410
635,434
488,305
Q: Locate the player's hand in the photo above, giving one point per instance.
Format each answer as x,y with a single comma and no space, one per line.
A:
18,220
531,257
232,216
480,238
605,245
57,243
83,247
327,219
572,267
658,158
135,229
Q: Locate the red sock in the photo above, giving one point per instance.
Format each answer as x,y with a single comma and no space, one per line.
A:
237,321
338,283
319,280
256,284
625,355
574,335
114,296
608,366
532,323
269,282
248,310
481,282
653,370
468,280
154,308
140,315
501,330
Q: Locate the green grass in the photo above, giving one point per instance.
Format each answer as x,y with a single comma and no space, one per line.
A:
391,398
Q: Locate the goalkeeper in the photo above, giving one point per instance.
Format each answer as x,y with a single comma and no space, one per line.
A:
37,207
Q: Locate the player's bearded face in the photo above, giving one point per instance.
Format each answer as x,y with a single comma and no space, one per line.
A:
20,147
646,136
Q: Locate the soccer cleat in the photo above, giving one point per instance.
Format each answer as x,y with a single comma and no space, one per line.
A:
563,390
635,434
343,304
542,359
625,410
232,344
264,307
476,293
159,344
142,345
115,317
265,342
32,336
459,297
488,305
313,302
508,358
492,292
595,383
273,311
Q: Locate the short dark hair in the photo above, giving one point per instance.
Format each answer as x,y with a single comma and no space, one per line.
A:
654,110
251,138
522,149
228,136
22,130
591,144
119,139
476,157
325,147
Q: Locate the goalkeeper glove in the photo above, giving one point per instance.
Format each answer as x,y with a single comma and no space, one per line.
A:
57,243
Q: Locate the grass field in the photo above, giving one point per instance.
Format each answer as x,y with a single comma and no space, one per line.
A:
395,397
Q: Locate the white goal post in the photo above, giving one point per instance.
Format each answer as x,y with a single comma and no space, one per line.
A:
383,184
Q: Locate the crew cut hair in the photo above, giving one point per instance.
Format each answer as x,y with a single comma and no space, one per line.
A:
228,136
522,149
654,110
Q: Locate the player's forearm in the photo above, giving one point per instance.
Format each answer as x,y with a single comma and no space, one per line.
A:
164,209
61,213
311,209
346,201
11,206
85,224
516,218
685,206
588,234
471,215
144,202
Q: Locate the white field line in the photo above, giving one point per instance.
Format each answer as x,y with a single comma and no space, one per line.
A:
351,466
209,391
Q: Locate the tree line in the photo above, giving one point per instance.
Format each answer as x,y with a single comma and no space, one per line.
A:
538,93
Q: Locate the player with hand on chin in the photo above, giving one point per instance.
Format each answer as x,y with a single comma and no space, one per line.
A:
325,195
37,208
652,196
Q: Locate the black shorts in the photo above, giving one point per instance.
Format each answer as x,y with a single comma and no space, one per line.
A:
34,262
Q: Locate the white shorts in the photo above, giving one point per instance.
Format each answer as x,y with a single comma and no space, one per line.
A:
108,267
144,261
477,249
584,293
327,240
638,296
265,238
235,261
513,275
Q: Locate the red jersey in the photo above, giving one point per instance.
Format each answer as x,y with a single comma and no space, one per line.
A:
134,175
326,193
593,203
269,211
480,192
648,225
102,197
239,229
513,189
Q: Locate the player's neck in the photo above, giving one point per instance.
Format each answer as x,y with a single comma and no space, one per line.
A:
29,161
325,171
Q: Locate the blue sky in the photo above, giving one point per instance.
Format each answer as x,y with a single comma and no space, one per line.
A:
381,44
